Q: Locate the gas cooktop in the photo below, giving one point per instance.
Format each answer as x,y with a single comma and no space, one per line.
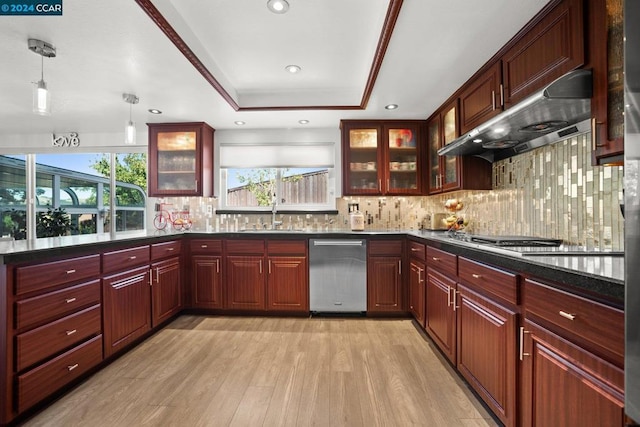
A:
514,240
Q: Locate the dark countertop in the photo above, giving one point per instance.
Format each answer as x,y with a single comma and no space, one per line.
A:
599,277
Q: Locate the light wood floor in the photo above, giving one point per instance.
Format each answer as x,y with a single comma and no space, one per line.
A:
244,371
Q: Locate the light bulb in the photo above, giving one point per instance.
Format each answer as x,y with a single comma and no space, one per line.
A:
41,104
130,133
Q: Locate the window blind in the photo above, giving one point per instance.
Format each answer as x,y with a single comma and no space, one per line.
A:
277,155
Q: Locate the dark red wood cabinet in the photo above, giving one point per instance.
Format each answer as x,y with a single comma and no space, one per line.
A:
166,290
384,276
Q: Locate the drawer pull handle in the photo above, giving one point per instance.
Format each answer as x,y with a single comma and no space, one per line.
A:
435,258
414,249
170,249
71,271
567,315
132,257
71,332
204,246
522,353
70,300
72,367
476,276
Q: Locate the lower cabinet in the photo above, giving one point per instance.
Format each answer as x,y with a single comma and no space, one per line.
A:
440,319
416,290
206,281
565,385
287,284
245,282
126,308
487,351
384,276
166,290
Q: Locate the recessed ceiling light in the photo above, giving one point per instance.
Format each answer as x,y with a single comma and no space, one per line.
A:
239,122
293,69
154,111
391,106
303,122
278,6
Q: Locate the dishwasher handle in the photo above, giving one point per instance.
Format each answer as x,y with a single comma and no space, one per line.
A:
338,243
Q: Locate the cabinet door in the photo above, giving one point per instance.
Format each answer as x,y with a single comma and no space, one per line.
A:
450,165
440,318
206,281
180,159
402,159
416,290
362,158
166,291
481,99
547,50
565,385
127,308
245,282
384,284
287,284
433,145
486,351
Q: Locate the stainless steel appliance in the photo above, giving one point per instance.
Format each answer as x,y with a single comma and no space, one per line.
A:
632,207
337,275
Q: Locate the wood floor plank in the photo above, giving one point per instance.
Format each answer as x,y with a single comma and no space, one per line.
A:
255,371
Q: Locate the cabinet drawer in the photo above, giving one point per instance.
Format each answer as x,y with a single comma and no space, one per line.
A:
206,246
124,259
44,380
485,278
245,246
385,247
165,249
287,247
47,275
442,261
40,343
589,320
50,306
416,250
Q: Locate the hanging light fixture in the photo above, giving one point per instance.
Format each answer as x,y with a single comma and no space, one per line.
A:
278,6
41,96
130,129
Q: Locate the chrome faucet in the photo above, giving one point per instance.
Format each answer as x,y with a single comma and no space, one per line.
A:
274,204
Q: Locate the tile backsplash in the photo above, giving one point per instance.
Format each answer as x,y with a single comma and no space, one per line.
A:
552,191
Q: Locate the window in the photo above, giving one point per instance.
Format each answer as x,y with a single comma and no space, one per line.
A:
77,183
294,176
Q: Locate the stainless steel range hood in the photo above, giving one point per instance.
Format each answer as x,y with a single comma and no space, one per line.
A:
560,110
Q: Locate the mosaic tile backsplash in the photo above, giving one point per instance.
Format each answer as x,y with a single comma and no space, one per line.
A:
549,192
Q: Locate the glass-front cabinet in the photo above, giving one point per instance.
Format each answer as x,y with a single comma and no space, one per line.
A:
381,157
180,159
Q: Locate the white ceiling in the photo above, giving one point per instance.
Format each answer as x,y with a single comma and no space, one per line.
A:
106,48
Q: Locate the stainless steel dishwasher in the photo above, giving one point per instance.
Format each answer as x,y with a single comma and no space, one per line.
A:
337,275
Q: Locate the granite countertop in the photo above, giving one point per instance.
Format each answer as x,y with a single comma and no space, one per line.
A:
597,275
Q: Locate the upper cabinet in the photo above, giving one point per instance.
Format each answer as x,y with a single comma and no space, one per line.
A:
606,60
448,173
381,157
482,98
180,159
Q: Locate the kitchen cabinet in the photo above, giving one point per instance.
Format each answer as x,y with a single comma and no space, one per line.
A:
244,274
417,254
482,98
605,20
56,331
206,273
180,159
125,297
441,290
382,157
287,276
572,356
449,173
166,290
486,330
384,276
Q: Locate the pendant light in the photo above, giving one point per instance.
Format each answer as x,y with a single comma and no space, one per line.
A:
130,129
41,95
